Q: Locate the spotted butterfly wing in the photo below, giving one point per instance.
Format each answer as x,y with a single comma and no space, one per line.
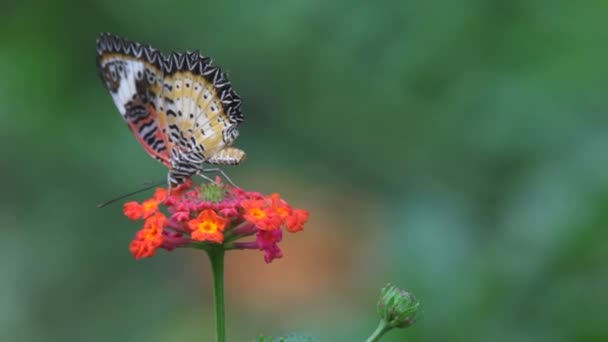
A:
181,108
133,75
202,114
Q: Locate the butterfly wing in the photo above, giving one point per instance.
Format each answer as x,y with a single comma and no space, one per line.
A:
133,74
202,112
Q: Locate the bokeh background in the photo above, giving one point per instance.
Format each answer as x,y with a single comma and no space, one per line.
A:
455,148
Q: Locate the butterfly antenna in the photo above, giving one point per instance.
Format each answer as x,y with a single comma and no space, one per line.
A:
147,187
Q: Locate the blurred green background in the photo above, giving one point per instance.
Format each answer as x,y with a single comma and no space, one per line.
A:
455,148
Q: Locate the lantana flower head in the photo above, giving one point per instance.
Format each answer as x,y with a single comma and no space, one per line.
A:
213,214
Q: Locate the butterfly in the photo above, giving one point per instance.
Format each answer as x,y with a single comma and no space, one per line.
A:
181,108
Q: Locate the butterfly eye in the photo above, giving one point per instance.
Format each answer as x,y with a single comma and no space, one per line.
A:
151,79
113,74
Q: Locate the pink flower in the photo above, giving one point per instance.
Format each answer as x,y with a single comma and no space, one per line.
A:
268,242
181,216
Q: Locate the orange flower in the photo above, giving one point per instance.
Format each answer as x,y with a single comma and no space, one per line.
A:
258,213
208,226
150,238
149,207
156,221
280,206
160,194
294,218
295,221
135,211
132,210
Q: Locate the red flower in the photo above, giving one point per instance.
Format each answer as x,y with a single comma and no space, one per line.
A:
160,195
181,216
295,222
294,218
135,211
280,206
259,213
132,210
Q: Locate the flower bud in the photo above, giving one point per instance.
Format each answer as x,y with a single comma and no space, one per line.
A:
397,307
213,192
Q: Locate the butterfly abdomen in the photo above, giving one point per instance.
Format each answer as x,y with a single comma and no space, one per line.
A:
227,156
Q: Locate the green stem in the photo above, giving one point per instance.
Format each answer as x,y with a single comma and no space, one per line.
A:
216,257
380,330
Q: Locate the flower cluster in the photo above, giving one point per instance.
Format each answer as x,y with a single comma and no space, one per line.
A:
214,213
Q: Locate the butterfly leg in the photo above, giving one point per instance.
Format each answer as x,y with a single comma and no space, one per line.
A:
218,170
200,173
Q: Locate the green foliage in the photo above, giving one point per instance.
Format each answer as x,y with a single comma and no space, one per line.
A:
458,147
289,338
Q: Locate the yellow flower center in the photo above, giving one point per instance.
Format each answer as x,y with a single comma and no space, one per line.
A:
149,205
207,226
151,234
258,213
282,211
